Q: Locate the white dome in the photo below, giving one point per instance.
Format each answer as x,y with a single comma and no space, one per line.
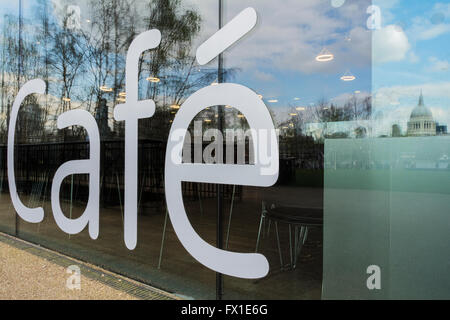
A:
421,111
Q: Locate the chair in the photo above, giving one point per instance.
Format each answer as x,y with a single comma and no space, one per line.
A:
301,219
201,212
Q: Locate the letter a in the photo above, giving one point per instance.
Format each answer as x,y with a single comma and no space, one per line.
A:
374,280
90,166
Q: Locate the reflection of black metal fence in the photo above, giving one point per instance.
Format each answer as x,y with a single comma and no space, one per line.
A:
36,164
307,153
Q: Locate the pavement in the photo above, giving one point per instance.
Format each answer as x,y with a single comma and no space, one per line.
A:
30,272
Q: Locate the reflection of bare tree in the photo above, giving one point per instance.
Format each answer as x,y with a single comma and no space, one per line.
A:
308,150
84,67
114,24
108,33
171,62
20,62
352,109
9,63
65,59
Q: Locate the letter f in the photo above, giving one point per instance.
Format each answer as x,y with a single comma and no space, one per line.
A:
130,112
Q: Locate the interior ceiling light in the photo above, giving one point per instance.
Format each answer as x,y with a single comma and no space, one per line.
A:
296,99
153,79
214,84
207,120
300,108
122,94
106,89
260,96
293,114
228,107
175,106
357,91
348,77
121,99
272,100
324,56
240,115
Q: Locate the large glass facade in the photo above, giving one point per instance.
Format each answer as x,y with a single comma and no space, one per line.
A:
356,89
79,49
10,83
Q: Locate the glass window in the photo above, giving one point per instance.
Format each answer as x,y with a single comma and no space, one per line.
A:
79,48
11,40
312,68
357,91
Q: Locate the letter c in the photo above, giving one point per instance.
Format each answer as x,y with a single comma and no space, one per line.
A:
32,215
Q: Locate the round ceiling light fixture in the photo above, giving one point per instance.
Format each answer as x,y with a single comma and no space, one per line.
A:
153,79
105,89
324,56
348,77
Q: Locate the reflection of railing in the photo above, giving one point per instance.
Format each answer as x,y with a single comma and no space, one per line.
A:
307,153
36,164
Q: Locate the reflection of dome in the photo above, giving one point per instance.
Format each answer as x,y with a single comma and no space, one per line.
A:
421,121
421,111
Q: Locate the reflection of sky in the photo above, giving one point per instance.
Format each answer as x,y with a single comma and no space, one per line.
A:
277,59
417,59
9,7
410,52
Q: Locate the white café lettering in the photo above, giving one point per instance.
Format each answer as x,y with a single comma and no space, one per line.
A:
263,173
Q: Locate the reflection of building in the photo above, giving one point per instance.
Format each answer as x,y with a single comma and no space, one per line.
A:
396,131
421,121
338,129
441,130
